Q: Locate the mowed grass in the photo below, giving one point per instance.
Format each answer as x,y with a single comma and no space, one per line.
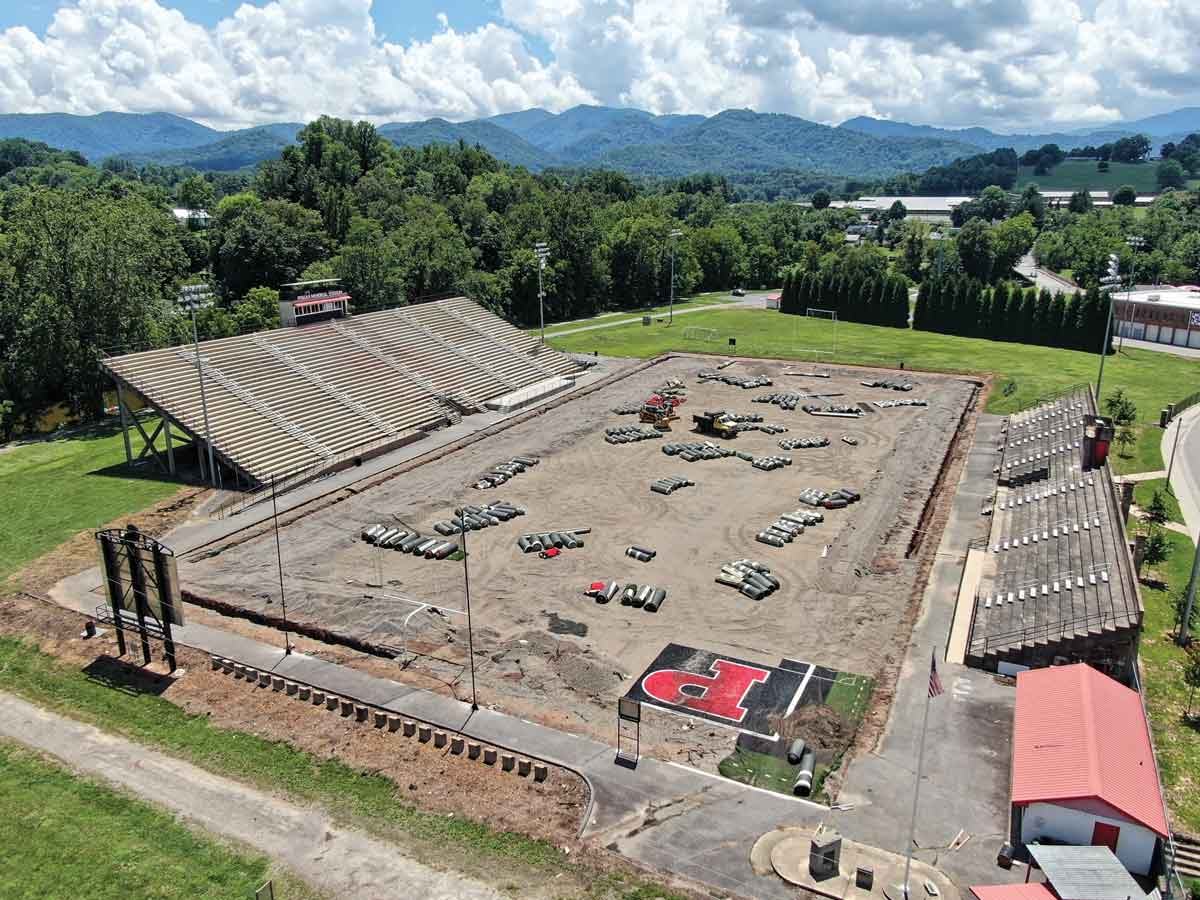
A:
1150,379
712,298
1143,456
1081,175
51,489
1176,740
358,798
69,837
1143,493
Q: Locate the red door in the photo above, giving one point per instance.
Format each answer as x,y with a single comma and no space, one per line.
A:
1105,836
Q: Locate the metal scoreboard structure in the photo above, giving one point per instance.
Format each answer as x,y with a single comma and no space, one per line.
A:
141,583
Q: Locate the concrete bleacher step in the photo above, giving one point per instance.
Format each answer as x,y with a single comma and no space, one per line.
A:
1187,856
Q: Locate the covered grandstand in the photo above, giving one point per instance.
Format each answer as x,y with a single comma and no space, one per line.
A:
306,398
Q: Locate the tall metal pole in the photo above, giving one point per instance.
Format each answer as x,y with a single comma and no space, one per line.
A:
287,643
212,469
541,295
912,825
462,523
1174,447
1104,346
671,315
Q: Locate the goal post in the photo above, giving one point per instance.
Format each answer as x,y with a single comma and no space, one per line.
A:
692,333
829,315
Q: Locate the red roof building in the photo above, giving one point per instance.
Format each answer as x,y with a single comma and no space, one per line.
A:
1083,769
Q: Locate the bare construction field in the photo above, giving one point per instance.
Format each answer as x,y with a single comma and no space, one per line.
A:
547,652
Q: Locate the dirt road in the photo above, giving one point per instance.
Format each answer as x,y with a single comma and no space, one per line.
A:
346,863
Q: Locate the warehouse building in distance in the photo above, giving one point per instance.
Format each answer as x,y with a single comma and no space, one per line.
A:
1162,316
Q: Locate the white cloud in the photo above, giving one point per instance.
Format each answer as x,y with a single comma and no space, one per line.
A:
1009,64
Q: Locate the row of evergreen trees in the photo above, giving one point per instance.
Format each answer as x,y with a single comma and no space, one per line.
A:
871,299
963,306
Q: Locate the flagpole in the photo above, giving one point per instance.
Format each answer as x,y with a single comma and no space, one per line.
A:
912,825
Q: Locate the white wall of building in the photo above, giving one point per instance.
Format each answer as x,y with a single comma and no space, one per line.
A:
1135,844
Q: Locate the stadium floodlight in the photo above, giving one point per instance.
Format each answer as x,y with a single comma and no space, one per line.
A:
673,235
1113,278
542,251
1135,244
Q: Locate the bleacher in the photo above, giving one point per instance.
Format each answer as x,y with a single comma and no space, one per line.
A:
1057,580
283,400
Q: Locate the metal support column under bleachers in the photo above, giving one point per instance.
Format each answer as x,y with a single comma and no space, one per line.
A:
148,440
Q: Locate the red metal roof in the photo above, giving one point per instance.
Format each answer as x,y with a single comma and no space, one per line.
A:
1025,891
1078,734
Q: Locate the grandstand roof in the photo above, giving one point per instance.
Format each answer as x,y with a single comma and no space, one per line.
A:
279,401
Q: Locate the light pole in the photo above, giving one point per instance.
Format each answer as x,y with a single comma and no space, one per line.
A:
212,471
462,529
671,315
287,641
543,252
1113,278
1135,244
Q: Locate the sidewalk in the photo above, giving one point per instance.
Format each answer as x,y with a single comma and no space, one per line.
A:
1185,476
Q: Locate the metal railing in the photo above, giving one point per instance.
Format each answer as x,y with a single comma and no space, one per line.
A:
1047,632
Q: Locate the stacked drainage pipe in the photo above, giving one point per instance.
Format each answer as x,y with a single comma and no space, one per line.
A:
842,410
786,400
751,578
804,443
626,434
642,596
694,451
478,517
502,472
670,484
903,401
734,380
562,540
788,527
641,554
839,499
894,383
409,542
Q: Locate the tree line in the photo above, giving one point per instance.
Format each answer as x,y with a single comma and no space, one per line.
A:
873,299
964,306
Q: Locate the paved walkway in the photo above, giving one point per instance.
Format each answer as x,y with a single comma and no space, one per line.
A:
756,301
342,861
1185,475
1130,343
1043,278
1142,476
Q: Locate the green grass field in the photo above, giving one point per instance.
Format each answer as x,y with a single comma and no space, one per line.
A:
1081,175
634,315
1143,456
1177,741
1143,492
1149,378
54,488
69,837
361,799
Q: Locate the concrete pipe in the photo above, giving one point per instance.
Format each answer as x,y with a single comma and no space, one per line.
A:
656,600
382,538
569,541
371,533
430,552
523,544
660,489
752,592
406,545
445,550
419,549
763,538
443,528
393,542
646,550
642,596
804,779
525,460
628,594
610,592
796,751
728,581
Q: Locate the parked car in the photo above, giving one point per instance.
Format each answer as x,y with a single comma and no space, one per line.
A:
739,292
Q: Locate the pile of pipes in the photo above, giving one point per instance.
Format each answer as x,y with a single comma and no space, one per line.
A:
671,387
697,451
560,540
839,499
804,443
749,422
671,484
628,409
907,401
767,463
806,758
895,383
833,409
409,542
749,577
734,380
641,554
627,434
501,472
477,517
788,527
787,400
643,596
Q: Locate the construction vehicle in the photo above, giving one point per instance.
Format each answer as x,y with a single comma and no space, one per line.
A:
659,411
717,423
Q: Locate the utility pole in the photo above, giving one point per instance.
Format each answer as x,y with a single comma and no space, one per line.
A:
543,252
212,469
1113,278
673,235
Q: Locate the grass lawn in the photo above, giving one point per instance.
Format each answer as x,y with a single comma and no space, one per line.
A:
1081,174
79,838
360,799
1143,492
712,298
1150,379
52,489
1177,742
1143,456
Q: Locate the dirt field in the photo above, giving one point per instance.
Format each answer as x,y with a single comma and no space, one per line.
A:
546,652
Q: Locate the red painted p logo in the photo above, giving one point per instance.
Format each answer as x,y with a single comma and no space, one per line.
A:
720,694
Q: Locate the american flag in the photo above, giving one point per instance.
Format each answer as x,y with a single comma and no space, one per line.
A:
935,681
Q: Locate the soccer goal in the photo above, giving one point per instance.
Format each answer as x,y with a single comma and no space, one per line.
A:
708,335
822,350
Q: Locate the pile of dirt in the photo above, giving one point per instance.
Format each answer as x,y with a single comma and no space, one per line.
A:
820,726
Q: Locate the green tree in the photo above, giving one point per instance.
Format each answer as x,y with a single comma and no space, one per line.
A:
1157,549
976,249
1170,174
1157,511
435,256
267,243
921,309
257,311
370,266
1120,408
721,253
821,199
195,193
1191,670
1028,316
1011,240
1125,195
897,211
1080,202
1125,440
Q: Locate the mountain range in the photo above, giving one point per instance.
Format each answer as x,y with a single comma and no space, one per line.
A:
733,142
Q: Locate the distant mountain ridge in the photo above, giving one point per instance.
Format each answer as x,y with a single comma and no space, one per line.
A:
633,140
